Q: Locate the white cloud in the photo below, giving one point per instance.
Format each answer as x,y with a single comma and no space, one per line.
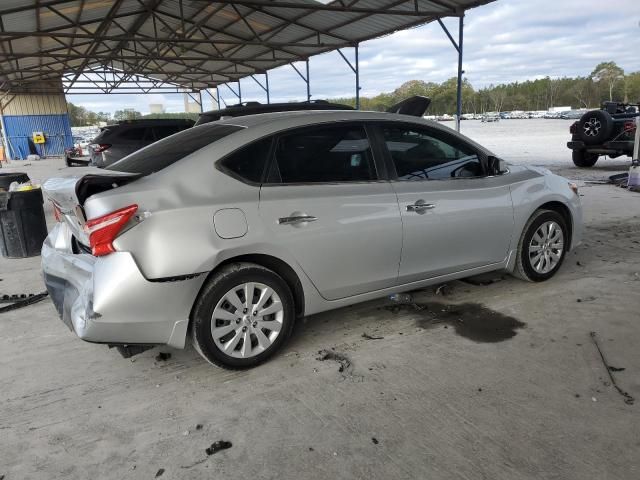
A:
509,40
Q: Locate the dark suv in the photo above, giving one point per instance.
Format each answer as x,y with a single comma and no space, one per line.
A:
608,131
119,140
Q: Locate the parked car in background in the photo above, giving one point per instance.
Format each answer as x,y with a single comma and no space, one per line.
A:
490,117
228,232
119,140
572,114
608,131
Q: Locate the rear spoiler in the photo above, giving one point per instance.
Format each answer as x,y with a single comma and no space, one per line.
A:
414,106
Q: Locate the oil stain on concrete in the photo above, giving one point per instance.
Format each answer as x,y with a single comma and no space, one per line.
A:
470,320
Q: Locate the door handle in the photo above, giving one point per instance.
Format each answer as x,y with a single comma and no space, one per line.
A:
420,206
296,219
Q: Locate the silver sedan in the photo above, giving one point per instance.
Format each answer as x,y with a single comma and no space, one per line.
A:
228,232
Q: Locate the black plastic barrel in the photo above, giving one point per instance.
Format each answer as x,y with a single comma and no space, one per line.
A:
7,179
23,227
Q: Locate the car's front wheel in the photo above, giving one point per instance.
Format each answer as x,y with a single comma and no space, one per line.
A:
243,315
542,246
584,159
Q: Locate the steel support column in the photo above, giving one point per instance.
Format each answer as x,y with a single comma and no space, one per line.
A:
304,78
458,47
266,79
356,70
265,86
357,77
308,83
460,72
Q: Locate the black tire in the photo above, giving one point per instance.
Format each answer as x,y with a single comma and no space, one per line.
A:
584,159
524,269
220,283
595,127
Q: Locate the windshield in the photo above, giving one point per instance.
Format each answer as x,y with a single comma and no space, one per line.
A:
169,150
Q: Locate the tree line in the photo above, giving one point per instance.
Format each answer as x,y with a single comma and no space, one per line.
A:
607,81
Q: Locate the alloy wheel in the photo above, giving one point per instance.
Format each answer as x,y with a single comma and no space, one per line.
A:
546,247
592,127
247,320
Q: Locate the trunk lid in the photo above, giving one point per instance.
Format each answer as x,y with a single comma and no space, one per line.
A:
68,195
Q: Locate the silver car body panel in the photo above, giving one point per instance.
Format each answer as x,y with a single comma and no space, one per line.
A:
363,245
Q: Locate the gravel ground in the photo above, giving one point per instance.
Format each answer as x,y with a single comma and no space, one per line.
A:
420,396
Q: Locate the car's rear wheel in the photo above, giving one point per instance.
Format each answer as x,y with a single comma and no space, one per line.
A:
542,246
243,315
584,159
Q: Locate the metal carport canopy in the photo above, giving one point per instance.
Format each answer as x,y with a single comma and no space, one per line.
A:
143,46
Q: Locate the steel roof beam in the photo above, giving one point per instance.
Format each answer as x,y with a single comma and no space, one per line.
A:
416,12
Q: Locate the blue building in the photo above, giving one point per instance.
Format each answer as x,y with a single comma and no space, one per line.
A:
23,114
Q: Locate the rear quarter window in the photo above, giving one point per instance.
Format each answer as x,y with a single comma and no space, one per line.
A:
248,163
167,151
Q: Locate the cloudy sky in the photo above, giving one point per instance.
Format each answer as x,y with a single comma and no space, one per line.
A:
504,41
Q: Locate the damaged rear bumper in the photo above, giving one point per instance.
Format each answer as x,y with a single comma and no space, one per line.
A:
108,300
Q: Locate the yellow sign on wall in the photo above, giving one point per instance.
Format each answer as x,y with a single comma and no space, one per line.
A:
38,137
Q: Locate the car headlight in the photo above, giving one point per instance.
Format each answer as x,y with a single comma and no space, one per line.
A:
573,187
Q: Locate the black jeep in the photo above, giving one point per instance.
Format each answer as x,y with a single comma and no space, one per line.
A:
608,131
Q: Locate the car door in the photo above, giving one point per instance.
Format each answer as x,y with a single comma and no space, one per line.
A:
325,202
455,217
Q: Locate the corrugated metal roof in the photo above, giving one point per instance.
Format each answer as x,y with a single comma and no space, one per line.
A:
186,44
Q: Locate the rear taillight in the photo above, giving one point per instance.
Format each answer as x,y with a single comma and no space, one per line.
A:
102,231
573,128
629,126
99,147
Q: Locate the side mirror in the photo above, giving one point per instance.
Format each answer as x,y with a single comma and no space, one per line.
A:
497,166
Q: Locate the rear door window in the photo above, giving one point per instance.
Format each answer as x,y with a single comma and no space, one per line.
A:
340,153
169,150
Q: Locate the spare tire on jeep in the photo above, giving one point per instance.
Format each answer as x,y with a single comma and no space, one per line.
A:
595,127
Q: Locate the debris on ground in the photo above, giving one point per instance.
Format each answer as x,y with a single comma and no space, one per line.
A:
194,463
163,356
401,298
616,369
586,299
21,300
218,446
628,399
159,472
366,336
346,367
445,290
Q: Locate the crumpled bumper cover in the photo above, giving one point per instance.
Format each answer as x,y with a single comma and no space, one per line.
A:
108,300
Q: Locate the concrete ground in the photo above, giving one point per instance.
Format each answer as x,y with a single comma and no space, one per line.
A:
527,398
